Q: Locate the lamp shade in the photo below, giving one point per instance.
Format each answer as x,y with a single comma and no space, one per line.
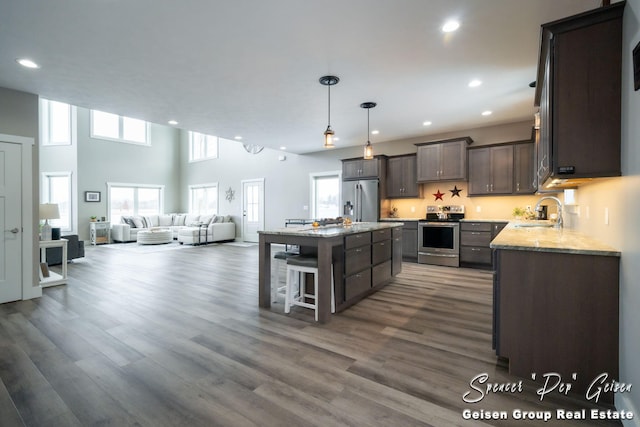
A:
49,211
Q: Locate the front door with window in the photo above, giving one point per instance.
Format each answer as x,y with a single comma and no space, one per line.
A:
10,223
252,209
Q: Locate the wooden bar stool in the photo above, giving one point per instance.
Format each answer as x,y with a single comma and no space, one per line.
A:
295,293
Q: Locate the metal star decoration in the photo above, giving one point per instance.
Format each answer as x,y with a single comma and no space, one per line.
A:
455,192
230,194
438,195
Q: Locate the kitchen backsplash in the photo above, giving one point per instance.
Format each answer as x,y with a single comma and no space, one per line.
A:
490,207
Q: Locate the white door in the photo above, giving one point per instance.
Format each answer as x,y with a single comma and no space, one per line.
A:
10,223
252,209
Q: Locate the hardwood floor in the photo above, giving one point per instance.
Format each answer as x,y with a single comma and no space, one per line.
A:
176,338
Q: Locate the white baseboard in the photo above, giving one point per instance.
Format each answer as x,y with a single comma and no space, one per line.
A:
623,403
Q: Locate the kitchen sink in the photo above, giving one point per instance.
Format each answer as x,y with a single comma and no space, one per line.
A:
540,223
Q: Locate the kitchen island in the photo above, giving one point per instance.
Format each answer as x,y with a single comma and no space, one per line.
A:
364,255
556,305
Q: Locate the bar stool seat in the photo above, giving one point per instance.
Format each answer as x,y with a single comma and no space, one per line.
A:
295,293
278,287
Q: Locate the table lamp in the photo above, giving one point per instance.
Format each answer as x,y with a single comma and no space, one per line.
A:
48,211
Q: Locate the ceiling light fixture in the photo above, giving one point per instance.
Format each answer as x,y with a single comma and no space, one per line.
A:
172,122
329,133
237,138
475,83
450,26
427,123
27,63
368,149
487,113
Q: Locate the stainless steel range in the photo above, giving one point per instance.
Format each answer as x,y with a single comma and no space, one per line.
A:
439,235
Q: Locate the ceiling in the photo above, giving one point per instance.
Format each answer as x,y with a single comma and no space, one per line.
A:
251,67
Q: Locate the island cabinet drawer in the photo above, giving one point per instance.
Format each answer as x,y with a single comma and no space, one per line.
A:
355,240
475,238
357,259
475,226
380,273
380,235
475,255
381,252
356,284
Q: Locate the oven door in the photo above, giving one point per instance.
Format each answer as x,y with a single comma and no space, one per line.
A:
439,243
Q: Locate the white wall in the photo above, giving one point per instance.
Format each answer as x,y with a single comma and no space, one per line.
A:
622,198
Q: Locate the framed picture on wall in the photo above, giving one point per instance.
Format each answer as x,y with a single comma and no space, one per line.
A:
636,67
91,196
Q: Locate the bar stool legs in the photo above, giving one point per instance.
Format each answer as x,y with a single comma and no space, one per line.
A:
295,293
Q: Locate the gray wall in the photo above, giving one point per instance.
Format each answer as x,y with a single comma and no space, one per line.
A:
19,116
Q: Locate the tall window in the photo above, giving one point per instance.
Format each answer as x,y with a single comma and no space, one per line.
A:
119,128
203,199
325,195
134,199
57,121
56,188
202,146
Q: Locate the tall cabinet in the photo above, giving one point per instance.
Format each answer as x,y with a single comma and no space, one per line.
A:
578,91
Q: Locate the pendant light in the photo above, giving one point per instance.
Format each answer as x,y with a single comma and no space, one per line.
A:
329,133
368,149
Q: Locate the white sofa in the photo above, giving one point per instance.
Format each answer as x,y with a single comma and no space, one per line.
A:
218,227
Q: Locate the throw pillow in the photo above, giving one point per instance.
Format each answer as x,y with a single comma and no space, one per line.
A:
217,219
129,220
192,219
148,222
205,219
227,218
139,222
179,219
165,220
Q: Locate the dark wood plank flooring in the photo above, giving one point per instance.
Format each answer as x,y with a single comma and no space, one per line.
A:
176,338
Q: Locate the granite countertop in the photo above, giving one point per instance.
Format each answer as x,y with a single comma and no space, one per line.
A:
332,230
484,220
550,239
401,219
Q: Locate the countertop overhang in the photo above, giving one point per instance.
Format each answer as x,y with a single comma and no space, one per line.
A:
332,230
550,239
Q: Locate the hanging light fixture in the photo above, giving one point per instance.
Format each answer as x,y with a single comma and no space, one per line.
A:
329,133
368,149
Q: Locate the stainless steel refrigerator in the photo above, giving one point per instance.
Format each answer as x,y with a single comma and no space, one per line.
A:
361,200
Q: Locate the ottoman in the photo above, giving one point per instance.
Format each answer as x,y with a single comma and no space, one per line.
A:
192,235
155,237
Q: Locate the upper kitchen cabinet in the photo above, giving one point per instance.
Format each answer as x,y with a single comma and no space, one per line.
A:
443,160
524,181
491,170
578,91
360,168
402,180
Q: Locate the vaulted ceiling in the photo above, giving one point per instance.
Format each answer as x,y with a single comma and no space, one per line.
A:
250,68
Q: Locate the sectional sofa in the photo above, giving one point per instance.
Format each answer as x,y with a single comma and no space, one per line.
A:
186,228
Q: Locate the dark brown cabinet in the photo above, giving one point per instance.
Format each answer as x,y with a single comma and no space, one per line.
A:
475,238
491,170
524,181
402,180
443,160
558,312
579,95
363,169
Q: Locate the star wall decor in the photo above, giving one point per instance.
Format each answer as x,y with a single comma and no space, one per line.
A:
455,192
438,195
230,194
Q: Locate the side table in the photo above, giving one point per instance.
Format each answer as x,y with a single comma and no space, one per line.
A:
54,278
100,232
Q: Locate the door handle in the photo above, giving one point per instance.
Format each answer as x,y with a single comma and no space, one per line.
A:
14,230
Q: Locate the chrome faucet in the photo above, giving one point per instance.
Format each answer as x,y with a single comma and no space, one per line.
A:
558,202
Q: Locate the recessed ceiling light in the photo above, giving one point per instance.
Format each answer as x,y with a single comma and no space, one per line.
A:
283,148
336,138
237,137
450,26
427,123
172,122
475,83
487,113
375,132
27,63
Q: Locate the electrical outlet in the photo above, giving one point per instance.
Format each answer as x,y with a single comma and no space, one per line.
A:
478,209
305,208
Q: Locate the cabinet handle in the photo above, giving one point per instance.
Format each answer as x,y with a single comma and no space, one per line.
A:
518,186
382,244
475,249
475,233
492,188
487,188
358,250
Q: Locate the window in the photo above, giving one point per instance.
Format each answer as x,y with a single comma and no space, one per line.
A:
134,199
202,146
119,128
56,188
203,199
57,121
325,195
